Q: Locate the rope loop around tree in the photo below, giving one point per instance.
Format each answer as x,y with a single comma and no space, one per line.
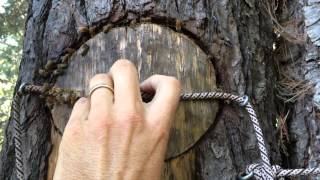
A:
260,171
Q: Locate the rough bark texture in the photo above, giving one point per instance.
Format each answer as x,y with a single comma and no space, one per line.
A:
299,60
238,35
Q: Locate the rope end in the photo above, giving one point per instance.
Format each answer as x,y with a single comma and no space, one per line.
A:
246,176
21,89
245,100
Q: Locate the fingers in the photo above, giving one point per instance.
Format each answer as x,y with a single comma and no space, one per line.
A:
101,99
79,114
126,84
167,95
80,110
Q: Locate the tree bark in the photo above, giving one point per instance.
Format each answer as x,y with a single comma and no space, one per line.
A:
298,57
237,35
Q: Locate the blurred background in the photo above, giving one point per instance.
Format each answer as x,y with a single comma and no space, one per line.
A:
12,19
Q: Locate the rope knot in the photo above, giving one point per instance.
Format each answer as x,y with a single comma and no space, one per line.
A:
262,172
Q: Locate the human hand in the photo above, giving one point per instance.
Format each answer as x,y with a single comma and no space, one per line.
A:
117,136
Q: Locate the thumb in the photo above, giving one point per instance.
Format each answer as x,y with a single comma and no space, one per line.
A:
166,90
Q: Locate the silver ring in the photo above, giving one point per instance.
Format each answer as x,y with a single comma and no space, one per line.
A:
101,86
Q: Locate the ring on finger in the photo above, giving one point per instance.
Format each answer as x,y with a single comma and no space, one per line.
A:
101,86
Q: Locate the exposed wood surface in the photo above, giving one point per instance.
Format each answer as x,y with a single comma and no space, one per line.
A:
154,50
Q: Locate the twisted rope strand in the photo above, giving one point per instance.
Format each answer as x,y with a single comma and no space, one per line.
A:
261,171
17,136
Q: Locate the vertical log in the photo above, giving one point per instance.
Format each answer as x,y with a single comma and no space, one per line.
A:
237,35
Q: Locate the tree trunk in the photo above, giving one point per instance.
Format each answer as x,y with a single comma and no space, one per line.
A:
238,37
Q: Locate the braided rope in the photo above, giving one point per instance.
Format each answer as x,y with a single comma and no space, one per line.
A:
261,171
17,136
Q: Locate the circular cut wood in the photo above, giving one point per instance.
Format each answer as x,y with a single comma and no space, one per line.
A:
154,50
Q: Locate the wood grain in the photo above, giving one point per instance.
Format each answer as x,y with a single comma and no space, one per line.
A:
154,50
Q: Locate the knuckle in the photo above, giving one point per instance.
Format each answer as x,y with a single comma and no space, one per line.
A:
99,78
122,64
99,125
129,117
157,76
174,82
97,118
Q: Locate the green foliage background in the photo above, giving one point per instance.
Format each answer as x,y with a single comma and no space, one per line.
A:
12,19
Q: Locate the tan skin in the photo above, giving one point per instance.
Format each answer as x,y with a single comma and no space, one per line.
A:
117,136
